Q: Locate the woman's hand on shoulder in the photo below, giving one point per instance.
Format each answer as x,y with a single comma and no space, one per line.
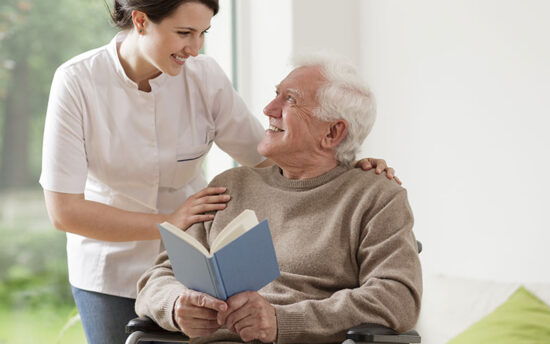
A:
199,207
380,165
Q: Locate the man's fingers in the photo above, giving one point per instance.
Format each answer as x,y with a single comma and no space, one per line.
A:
207,301
197,328
237,316
193,312
202,324
397,180
198,299
234,303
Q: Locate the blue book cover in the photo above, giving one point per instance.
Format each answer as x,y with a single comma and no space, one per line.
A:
248,262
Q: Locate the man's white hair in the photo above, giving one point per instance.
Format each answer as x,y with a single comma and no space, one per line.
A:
343,96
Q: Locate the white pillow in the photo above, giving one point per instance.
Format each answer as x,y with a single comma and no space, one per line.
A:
451,304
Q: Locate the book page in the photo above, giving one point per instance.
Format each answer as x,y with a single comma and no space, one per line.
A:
238,226
186,237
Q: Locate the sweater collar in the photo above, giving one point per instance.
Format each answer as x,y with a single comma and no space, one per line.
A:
277,179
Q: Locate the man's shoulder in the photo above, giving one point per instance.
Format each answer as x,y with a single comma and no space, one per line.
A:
235,175
370,183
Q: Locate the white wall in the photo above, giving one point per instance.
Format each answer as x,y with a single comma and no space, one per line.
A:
264,48
219,45
330,25
464,113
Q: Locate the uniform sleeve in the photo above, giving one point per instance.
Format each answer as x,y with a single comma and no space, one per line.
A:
238,132
390,284
64,162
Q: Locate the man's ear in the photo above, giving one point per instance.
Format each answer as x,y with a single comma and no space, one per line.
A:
337,131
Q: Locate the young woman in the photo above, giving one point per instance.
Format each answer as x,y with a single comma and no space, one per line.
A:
127,127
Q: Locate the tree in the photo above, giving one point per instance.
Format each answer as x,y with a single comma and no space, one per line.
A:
36,36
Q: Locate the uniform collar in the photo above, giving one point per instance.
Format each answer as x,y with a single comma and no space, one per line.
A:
113,53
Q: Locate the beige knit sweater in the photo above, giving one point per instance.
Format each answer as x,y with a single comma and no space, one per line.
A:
345,247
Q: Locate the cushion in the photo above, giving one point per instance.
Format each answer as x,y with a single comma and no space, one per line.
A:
523,318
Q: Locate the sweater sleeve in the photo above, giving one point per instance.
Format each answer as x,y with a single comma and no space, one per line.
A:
158,288
389,283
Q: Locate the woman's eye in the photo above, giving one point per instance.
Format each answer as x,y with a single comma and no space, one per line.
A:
184,33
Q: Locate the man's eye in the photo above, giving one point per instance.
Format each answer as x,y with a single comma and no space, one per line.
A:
290,99
184,33
204,32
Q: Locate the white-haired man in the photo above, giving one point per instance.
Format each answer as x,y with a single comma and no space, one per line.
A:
343,237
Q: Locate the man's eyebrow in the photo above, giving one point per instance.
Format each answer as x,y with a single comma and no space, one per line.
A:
292,91
295,92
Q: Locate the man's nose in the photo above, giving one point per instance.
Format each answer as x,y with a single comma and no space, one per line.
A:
273,109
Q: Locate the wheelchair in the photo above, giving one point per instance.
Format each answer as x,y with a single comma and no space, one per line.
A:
144,329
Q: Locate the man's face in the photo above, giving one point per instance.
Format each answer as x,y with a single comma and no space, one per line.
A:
294,134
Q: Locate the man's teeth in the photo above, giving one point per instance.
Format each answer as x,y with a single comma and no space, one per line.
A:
181,59
275,128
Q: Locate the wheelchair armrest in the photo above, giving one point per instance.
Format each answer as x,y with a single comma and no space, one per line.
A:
146,324
375,333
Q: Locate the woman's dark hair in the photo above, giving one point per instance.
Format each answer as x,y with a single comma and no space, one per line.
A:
155,10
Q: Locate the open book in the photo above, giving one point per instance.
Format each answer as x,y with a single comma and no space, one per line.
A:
241,258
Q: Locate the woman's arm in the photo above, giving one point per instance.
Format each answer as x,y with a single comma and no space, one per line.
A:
74,214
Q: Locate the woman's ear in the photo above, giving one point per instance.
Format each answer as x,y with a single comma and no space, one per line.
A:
337,131
139,18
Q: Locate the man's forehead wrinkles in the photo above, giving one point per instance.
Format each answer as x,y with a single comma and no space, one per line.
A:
295,91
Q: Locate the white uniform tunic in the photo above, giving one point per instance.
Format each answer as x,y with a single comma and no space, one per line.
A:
136,151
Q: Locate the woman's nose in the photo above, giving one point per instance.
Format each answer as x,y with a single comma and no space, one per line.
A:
194,46
191,50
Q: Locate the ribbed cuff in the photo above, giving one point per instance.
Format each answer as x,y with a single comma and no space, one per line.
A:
290,325
166,306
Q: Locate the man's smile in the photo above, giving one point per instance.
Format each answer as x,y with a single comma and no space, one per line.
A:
274,128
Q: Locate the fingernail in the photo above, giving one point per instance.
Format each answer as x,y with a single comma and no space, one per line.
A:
223,308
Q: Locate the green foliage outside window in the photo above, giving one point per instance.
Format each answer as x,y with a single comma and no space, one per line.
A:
36,36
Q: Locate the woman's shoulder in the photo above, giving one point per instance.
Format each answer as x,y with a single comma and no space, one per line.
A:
204,65
89,61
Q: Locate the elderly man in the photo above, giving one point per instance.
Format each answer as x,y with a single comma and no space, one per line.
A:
343,237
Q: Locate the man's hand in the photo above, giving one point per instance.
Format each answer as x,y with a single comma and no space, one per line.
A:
380,165
195,313
251,317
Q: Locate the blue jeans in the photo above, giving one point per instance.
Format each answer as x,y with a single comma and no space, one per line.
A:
104,317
